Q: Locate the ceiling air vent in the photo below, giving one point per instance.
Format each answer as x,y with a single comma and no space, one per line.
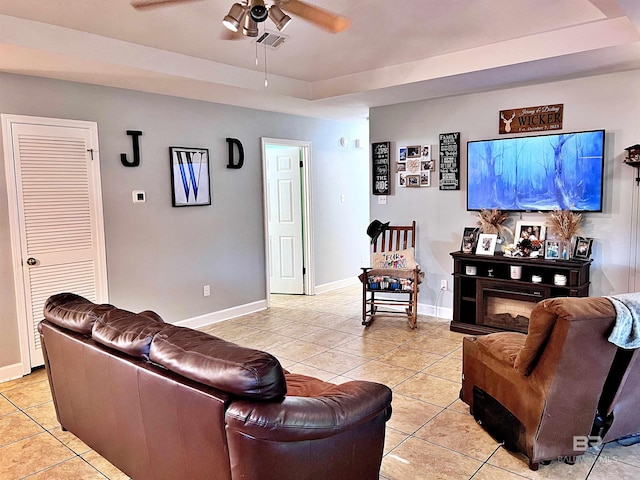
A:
271,40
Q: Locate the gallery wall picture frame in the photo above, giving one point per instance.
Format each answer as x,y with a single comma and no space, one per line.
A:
414,151
425,178
582,249
402,178
551,250
402,154
412,181
486,243
190,177
469,239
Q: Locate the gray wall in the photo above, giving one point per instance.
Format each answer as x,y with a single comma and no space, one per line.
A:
159,257
608,101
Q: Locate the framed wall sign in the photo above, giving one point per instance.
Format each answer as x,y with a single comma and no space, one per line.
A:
380,168
190,184
449,161
531,119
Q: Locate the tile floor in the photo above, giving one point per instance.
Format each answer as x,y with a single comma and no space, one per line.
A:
430,435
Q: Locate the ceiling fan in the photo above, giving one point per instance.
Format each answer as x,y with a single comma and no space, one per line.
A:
251,12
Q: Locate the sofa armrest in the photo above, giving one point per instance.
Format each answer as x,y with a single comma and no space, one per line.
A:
293,419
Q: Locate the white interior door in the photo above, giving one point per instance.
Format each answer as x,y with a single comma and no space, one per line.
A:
284,211
53,179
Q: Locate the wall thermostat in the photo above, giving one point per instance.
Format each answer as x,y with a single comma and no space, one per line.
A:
139,196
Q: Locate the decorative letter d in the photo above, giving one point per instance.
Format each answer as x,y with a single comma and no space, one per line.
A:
237,143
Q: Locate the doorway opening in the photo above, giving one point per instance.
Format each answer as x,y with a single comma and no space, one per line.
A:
288,222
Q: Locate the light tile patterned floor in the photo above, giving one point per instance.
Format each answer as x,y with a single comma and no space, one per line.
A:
430,435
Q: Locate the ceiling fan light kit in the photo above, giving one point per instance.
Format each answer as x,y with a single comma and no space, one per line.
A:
252,13
234,17
250,28
279,18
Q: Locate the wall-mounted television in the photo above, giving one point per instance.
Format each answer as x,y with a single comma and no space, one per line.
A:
537,173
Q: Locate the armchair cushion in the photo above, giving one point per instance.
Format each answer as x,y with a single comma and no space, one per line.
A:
503,346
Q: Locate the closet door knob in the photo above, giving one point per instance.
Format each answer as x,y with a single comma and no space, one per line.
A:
31,261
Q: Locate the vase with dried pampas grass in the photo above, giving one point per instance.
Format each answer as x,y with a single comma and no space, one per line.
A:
493,221
565,224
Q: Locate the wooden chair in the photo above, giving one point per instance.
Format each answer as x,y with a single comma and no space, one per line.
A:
380,284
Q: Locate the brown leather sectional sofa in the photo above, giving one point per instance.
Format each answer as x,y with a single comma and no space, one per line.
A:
166,402
549,392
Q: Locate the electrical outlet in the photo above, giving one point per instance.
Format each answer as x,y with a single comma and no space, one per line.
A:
206,290
443,284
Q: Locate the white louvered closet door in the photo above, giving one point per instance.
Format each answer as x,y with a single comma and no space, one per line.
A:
60,217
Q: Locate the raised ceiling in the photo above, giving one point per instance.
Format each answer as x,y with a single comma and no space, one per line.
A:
395,50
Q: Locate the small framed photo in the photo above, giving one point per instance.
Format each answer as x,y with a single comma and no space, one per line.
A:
551,250
414,151
486,243
582,250
469,239
412,180
190,185
425,178
532,233
402,154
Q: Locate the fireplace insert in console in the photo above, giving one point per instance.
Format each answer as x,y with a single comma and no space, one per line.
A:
486,299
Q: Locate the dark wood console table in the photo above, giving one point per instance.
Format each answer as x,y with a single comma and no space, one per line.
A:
474,294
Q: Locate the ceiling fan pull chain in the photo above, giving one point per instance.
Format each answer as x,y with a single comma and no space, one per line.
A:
266,83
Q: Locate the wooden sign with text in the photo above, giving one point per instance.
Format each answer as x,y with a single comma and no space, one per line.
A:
531,119
381,167
449,161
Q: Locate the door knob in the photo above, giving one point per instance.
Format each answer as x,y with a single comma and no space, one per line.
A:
31,261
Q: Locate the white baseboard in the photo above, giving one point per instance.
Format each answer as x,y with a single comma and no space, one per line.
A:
221,315
11,372
327,287
444,313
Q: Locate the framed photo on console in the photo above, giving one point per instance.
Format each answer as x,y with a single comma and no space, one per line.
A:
582,250
551,250
469,239
486,243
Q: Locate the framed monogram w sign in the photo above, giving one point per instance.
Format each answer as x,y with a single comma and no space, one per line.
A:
190,184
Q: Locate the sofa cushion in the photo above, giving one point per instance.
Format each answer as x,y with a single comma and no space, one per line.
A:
128,332
71,311
220,364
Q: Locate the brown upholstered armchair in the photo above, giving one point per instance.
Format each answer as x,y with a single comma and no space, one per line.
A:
537,392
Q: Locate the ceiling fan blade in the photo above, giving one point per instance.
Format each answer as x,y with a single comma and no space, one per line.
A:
144,4
316,15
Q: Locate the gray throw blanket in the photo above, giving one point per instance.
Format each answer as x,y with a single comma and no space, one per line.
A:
626,331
